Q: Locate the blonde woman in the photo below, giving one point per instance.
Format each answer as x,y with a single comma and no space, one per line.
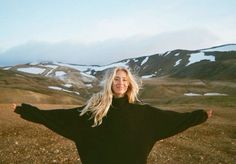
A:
112,127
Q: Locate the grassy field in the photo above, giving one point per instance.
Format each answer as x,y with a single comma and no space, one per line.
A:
212,142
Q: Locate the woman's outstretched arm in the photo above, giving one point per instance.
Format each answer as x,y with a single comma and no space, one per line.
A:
62,121
166,123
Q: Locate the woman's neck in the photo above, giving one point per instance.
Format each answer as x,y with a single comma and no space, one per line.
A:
118,96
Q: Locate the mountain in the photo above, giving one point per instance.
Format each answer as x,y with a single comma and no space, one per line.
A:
211,63
46,79
77,82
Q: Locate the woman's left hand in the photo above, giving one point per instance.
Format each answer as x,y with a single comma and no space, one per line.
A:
209,113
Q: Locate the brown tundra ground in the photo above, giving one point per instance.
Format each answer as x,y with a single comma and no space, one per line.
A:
214,141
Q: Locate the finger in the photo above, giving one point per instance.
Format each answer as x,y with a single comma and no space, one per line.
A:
209,113
14,106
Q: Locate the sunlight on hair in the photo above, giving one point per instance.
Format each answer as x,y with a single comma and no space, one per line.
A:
100,102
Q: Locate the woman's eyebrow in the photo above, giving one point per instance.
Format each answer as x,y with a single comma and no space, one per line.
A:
124,77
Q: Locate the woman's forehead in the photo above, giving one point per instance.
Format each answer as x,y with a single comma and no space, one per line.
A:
121,73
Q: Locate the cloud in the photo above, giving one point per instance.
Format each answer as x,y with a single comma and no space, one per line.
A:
192,38
120,27
108,51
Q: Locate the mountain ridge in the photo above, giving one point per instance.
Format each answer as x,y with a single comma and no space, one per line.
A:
176,63
54,82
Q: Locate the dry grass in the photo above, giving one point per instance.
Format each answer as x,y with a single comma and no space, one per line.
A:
212,142
25,142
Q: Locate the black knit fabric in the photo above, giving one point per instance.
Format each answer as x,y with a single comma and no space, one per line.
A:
126,135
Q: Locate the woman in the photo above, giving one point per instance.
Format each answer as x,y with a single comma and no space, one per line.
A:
112,128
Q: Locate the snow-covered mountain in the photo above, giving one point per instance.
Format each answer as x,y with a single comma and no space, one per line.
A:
54,82
203,63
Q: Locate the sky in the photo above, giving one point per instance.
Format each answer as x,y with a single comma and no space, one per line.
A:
105,31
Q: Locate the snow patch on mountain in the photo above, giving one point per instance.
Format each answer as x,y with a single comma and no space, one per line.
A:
215,94
7,68
167,53
68,85
88,68
205,94
32,70
148,76
135,60
177,62
144,61
49,72
60,73
119,64
177,54
192,94
61,89
197,57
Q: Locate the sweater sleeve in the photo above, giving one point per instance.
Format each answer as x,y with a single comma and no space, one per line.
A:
62,121
166,123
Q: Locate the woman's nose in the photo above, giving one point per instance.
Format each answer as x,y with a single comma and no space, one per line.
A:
120,81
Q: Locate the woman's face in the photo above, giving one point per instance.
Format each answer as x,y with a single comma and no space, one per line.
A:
120,83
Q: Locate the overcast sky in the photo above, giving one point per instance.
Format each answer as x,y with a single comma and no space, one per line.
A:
104,31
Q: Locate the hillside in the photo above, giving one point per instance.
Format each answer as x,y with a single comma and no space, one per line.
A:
45,82
19,87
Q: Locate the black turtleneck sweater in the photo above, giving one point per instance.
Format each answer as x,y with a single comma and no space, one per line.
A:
126,135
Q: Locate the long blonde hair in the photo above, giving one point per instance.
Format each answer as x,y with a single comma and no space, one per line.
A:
100,102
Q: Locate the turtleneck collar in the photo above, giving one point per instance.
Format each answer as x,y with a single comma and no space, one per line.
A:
119,101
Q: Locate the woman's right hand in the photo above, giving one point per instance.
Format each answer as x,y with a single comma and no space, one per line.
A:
13,106
16,108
